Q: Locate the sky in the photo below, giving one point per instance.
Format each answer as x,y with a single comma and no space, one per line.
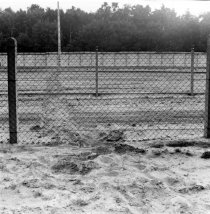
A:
180,6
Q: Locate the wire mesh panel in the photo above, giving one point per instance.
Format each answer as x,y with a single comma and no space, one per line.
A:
152,94
4,124
200,72
146,94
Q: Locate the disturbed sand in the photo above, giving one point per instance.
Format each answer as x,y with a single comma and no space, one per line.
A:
109,174
64,165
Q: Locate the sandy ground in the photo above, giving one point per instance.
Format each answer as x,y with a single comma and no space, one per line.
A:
145,116
109,82
106,174
123,159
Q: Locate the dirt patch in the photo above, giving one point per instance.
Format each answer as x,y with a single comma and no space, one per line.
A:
171,181
66,179
32,183
102,150
188,153
184,143
180,144
36,128
83,156
156,152
202,144
177,150
114,136
192,189
80,203
71,167
157,145
206,155
124,148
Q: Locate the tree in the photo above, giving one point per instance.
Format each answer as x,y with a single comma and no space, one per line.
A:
112,28
45,36
204,31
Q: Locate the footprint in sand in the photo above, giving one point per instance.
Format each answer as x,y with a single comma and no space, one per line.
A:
172,181
181,205
112,173
106,159
140,166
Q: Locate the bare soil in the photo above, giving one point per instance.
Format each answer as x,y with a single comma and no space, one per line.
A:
110,175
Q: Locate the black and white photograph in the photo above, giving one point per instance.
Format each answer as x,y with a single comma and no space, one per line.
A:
104,107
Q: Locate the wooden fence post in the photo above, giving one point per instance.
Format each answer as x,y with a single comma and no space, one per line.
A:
192,72
207,94
96,72
12,91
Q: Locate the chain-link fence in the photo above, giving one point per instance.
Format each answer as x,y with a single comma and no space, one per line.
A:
148,95
4,126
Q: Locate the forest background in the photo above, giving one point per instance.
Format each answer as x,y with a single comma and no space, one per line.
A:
111,28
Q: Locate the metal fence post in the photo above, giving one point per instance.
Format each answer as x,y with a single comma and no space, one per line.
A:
114,59
173,61
12,91
126,60
138,59
207,94
149,59
102,60
68,58
96,71
24,60
46,59
192,72
185,60
80,59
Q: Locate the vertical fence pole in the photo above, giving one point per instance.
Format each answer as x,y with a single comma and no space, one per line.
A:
126,59
12,91
138,59
185,60
96,71
102,60
114,59
207,94
173,61
192,72
35,60
46,59
69,59
149,59
24,60
80,60
59,37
